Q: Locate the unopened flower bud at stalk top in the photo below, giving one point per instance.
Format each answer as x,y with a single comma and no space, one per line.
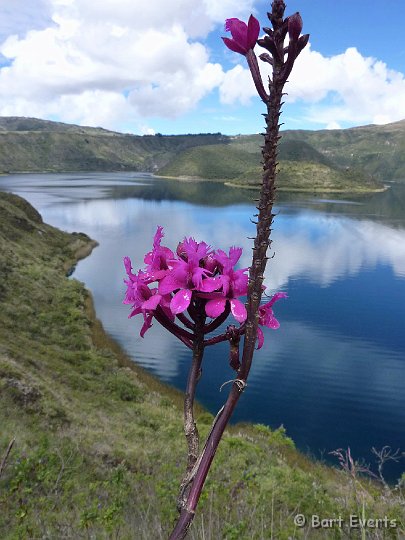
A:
294,26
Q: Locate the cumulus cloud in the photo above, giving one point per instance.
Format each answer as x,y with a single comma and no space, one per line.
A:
120,63
134,56
19,16
347,87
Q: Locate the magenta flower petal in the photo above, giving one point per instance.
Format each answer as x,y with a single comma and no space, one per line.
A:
197,277
152,303
225,281
244,36
235,254
146,325
260,338
128,266
231,44
172,281
238,310
238,29
158,237
134,312
180,301
253,31
273,323
214,307
210,285
240,282
276,297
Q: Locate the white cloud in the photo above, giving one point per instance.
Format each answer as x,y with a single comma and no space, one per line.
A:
237,86
133,57
19,16
73,59
364,89
343,88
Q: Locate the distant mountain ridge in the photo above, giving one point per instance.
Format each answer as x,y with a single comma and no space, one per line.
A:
34,145
358,159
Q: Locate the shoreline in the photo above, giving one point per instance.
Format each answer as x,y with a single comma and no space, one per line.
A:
224,181
229,183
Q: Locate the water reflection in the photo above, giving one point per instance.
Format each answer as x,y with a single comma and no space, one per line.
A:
317,246
333,374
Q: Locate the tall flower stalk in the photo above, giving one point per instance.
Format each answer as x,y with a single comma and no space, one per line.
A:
182,289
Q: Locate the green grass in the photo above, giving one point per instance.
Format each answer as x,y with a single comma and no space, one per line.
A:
212,162
99,450
302,167
335,160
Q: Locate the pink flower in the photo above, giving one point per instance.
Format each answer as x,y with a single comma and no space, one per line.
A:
233,284
157,260
193,271
186,274
267,318
244,36
143,299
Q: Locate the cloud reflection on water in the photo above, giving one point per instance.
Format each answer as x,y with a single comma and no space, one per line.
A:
319,247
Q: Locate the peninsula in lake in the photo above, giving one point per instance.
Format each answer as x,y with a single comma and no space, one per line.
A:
348,160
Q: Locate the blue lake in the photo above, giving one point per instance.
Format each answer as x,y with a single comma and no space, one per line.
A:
334,373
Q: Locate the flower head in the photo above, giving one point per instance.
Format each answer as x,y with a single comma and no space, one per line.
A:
244,36
174,282
267,318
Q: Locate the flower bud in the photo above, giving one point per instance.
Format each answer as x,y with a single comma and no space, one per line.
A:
294,26
210,263
181,252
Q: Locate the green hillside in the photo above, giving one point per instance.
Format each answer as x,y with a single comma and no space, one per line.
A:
32,145
355,159
378,150
211,162
302,167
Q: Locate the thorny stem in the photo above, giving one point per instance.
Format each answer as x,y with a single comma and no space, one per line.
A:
256,273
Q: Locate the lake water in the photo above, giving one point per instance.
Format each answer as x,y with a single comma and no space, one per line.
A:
334,373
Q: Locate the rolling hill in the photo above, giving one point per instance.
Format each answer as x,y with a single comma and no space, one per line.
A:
355,159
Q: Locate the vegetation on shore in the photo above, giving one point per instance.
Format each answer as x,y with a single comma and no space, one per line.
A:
342,160
98,449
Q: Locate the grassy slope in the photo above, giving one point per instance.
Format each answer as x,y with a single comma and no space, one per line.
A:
32,145
377,150
302,167
98,447
333,159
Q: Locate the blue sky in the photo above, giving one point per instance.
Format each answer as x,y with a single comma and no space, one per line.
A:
146,66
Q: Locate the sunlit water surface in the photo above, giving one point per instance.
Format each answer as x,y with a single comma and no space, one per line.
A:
334,373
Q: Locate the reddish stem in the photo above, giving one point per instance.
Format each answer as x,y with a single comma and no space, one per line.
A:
256,272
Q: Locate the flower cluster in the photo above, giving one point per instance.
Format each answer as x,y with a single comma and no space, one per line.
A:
245,37
172,284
